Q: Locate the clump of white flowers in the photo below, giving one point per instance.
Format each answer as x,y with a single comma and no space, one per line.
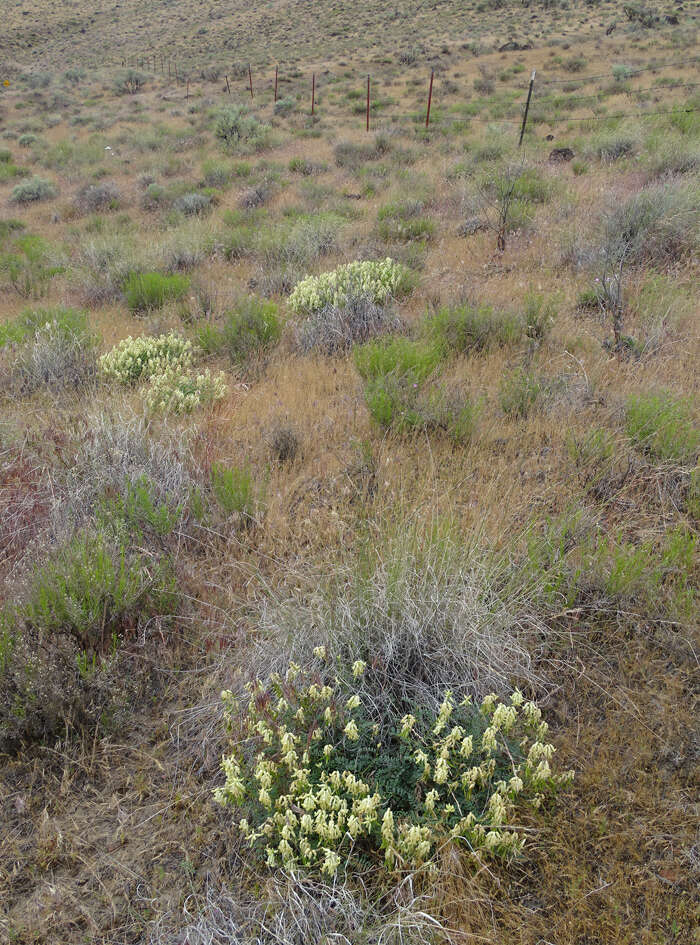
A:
315,785
166,362
377,280
175,392
135,359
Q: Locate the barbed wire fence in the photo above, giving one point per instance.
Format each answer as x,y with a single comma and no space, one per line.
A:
541,94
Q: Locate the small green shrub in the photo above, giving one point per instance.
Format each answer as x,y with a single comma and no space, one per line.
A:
91,591
539,313
402,222
312,786
400,357
285,106
399,403
251,330
664,427
234,490
216,174
236,128
29,266
146,291
139,510
130,82
19,328
473,327
32,190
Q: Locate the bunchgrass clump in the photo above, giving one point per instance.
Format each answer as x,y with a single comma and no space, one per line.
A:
336,328
59,355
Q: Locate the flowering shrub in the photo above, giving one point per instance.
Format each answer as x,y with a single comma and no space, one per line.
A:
142,358
377,281
316,783
176,392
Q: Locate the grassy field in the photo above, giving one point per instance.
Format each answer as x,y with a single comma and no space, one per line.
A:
343,455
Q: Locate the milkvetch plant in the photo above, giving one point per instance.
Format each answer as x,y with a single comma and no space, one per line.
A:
376,280
314,784
175,392
141,358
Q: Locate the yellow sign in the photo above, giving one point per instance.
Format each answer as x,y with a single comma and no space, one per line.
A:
6,82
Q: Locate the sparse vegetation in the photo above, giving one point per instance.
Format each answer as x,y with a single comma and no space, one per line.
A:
341,520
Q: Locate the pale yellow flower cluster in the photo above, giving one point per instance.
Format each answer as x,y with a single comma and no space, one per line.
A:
141,358
379,280
165,361
304,810
176,392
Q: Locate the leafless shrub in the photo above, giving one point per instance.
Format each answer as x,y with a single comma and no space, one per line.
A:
102,266
337,328
116,450
56,358
94,197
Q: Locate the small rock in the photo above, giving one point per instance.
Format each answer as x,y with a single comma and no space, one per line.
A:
560,155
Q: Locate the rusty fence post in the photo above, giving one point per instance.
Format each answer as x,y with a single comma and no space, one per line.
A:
527,107
313,93
430,98
228,87
276,69
250,79
367,121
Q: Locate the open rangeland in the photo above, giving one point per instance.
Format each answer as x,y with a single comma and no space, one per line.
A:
356,447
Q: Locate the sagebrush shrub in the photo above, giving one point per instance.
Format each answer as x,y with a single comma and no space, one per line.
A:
103,196
314,784
32,190
235,127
